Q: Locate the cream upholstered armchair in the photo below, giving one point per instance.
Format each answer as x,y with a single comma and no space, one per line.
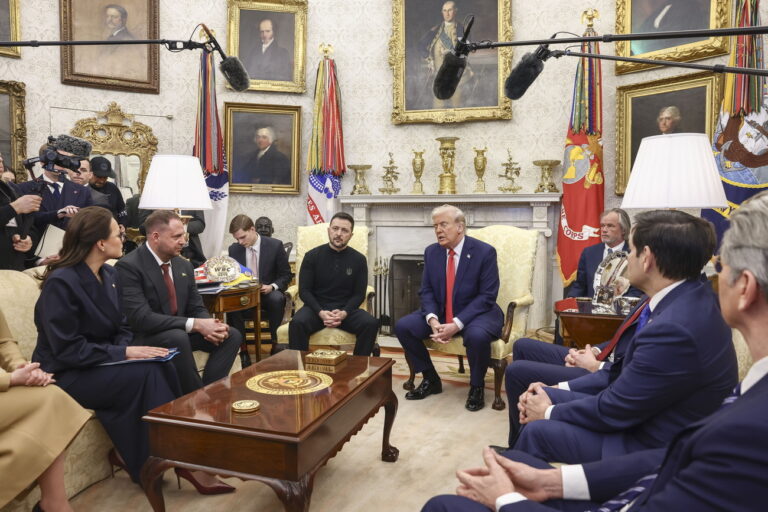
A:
515,253
308,238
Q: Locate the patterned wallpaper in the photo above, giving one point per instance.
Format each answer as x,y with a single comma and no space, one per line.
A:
360,31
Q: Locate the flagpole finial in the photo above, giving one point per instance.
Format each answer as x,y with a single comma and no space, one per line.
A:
326,50
588,17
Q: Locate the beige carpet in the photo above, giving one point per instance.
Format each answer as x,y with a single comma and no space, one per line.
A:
435,437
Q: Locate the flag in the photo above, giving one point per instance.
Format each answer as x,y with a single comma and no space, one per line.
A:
209,148
583,182
740,142
325,161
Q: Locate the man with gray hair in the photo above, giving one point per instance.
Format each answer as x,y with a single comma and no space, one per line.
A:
266,165
458,297
712,464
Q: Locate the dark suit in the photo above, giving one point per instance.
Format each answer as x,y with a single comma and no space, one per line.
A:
273,64
273,268
114,200
676,370
80,326
194,249
474,304
273,168
72,194
537,361
714,464
145,302
10,258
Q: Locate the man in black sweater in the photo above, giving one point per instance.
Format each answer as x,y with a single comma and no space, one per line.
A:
332,283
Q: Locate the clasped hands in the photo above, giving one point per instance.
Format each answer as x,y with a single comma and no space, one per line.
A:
584,358
533,403
442,333
332,318
30,374
211,329
502,476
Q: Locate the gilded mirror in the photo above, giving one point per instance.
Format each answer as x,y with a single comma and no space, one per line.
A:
128,144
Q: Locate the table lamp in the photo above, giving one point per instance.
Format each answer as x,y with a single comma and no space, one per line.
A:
175,182
675,171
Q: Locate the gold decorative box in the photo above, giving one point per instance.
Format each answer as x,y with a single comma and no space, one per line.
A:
326,357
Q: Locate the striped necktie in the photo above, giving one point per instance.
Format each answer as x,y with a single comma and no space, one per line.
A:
644,483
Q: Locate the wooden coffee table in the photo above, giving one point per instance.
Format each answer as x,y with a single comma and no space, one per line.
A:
286,441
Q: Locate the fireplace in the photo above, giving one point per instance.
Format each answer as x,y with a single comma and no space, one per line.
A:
405,272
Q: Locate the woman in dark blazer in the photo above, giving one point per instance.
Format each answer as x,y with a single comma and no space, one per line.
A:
81,327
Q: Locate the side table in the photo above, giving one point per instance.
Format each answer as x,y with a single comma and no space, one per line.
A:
238,299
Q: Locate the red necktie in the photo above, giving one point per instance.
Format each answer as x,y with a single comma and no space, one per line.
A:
450,277
170,287
610,346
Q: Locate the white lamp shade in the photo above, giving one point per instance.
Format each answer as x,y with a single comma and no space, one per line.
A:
175,181
675,171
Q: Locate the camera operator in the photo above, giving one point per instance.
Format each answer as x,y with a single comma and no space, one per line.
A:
14,209
61,197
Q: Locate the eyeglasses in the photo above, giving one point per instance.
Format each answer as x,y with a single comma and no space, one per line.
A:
718,263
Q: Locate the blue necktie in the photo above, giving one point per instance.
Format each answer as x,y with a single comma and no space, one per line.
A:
641,485
56,193
645,314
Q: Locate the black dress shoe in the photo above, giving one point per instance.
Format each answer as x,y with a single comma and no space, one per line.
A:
498,449
426,388
475,400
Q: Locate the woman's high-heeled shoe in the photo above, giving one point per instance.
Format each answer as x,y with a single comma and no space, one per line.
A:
218,488
115,460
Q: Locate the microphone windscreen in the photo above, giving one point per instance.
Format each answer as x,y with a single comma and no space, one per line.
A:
235,73
448,76
522,76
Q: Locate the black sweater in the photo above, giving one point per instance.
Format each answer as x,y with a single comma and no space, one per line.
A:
331,280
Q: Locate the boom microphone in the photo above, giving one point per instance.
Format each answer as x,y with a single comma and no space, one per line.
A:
448,76
231,67
526,71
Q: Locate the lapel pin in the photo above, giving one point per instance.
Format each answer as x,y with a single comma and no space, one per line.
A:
113,285
469,256
183,274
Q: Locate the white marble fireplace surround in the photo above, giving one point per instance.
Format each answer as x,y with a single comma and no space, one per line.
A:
401,224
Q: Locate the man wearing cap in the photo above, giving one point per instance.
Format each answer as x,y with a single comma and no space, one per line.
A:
101,169
61,197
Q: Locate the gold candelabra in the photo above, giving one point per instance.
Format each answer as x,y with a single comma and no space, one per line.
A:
511,171
390,177
448,156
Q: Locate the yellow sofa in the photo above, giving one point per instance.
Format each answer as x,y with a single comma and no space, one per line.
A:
86,461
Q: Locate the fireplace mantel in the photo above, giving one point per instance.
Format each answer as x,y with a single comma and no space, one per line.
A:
402,224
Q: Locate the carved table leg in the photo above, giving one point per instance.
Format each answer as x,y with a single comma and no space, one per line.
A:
388,452
294,495
152,482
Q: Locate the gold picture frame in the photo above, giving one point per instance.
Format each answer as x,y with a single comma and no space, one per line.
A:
13,127
115,134
10,26
134,68
635,16
696,97
413,56
258,166
281,66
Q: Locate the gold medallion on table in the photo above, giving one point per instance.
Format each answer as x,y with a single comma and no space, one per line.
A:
245,406
289,382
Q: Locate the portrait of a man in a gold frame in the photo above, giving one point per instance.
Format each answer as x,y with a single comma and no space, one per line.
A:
682,104
423,31
639,16
270,38
10,26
